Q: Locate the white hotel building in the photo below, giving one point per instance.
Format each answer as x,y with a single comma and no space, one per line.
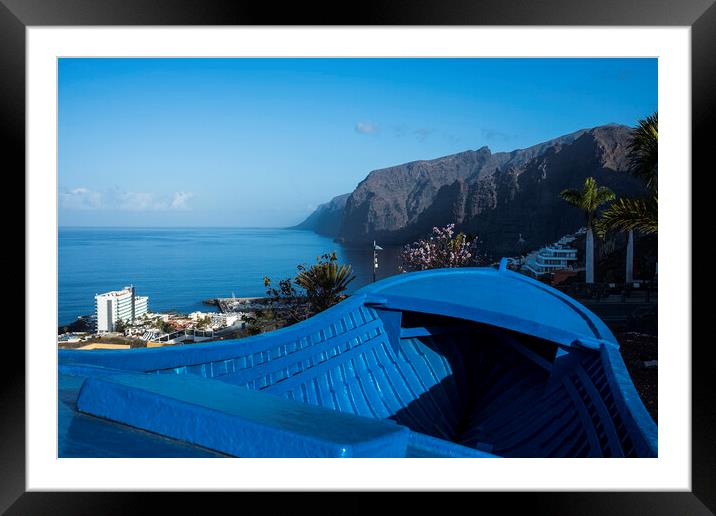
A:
119,305
551,258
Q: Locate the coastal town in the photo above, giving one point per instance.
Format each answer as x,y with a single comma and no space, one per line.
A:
122,320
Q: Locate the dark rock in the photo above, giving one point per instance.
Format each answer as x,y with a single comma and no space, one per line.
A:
327,218
497,197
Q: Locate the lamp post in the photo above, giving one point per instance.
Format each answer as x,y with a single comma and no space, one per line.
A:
376,248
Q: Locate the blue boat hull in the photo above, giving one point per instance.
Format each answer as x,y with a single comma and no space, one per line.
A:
465,362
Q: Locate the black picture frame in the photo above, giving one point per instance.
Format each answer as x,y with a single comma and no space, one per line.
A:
700,15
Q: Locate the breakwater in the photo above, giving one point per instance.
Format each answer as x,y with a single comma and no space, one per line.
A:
237,304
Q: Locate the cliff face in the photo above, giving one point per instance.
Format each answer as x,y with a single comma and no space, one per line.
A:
327,218
496,196
525,200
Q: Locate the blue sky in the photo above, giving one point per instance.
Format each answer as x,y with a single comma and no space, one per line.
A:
261,142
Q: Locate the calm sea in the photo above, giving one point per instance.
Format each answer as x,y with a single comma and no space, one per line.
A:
179,267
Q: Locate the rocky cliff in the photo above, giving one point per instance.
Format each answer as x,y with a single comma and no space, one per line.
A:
327,218
499,196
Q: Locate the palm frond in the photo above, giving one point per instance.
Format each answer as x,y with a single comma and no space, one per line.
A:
629,214
644,151
602,196
572,197
324,283
589,199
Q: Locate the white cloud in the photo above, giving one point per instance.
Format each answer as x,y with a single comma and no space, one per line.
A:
179,200
134,201
80,199
366,128
86,199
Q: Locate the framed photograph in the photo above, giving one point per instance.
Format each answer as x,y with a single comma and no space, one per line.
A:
164,146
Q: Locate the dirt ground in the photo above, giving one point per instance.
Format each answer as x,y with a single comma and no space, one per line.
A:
134,343
637,348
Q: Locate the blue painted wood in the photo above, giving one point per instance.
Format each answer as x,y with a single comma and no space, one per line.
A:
391,324
424,446
235,420
83,435
497,363
500,298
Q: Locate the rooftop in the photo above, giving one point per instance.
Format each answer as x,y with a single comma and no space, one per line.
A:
116,293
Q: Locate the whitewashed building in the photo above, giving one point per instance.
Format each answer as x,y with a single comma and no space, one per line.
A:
119,305
551,258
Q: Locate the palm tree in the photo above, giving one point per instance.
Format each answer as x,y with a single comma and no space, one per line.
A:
627,214
644,151
641,214
324,282
589,199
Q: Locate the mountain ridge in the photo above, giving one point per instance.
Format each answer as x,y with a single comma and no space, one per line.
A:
323,220
505,198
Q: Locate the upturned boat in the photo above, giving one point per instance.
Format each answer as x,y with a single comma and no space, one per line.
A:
467,362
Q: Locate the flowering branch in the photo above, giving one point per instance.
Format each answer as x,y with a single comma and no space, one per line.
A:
443,249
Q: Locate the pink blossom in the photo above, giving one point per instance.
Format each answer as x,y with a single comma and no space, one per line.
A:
442,249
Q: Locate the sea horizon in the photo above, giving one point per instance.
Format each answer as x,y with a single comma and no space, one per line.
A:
174,227
179,267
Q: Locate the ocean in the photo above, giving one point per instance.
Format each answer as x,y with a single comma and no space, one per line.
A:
179,267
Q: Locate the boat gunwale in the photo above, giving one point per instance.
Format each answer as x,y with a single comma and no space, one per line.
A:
369,296
600,330
376,297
